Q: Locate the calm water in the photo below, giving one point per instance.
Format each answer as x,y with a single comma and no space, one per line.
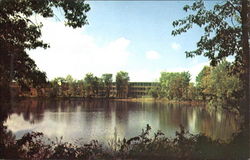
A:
75,119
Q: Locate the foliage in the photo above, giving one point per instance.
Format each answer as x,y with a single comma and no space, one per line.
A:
174,85
88,79
89,87
192,93
226,33
55,85
222,30
184,145
107,80
92,85
33,146
225,87
220,86
71,86
97,85
216,85
19,33
202,82
79,88
122,80
155,91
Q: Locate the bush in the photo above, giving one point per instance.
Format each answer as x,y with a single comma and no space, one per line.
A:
184,146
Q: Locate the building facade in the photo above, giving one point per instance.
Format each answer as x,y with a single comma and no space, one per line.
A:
139,89
134,89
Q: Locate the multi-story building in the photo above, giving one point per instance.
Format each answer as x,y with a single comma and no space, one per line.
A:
139,89
134,89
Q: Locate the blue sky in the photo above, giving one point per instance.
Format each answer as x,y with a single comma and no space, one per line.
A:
134,36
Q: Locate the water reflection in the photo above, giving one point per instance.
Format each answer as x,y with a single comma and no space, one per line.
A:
88,120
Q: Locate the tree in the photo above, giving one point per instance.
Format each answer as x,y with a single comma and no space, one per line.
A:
71,86
107,80
154,91
80,90
222,30
174,85
92,85
69,79
122,80
18,34
226,32
224,86
203,81
56,90
192,92
219,85
88,84
97,85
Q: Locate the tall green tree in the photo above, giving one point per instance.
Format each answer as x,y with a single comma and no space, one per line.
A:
174,85
88,84
56,87
69,79
80,90
18,34
71,86
225,87
226,33
122,80
97,85
223,29
92,85
154,91
219,86
203,81
192,92
107,80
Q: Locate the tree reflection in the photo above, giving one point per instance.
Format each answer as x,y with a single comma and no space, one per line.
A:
98,118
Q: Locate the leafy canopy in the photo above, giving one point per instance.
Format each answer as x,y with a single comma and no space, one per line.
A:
222,27
122,80
174,85
18,33
226,33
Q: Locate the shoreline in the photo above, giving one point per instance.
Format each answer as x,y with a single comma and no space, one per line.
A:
194,102
163,100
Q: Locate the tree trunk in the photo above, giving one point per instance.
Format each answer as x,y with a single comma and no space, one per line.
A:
245,58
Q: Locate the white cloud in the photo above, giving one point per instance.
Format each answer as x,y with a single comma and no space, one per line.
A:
143,75
74,52
175,46
194,69
153,75
152,55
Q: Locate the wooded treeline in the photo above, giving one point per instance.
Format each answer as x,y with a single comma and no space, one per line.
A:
90,86
226,33
217,85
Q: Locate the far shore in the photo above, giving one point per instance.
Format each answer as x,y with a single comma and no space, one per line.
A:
143,99
194,102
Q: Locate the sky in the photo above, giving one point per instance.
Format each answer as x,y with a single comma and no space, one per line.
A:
132,36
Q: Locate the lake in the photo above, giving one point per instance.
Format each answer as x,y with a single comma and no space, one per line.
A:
75,119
